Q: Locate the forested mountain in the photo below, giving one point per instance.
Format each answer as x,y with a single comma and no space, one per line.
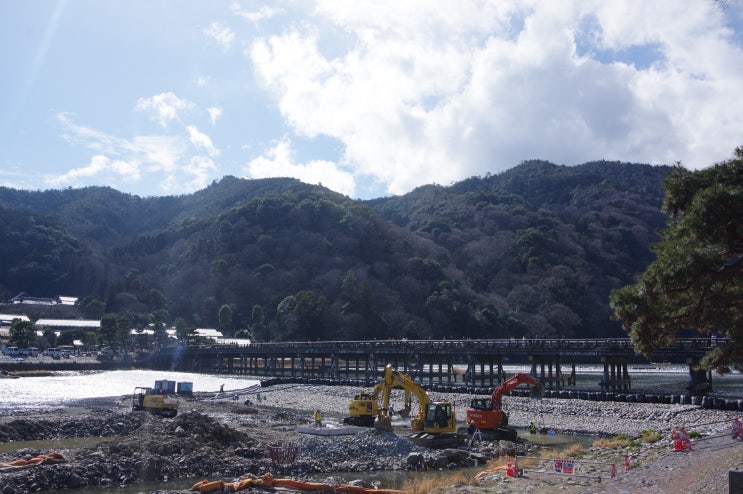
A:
533,251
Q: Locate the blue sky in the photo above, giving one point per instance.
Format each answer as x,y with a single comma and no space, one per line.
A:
369,98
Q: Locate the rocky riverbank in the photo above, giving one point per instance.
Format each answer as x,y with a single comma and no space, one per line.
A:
221,437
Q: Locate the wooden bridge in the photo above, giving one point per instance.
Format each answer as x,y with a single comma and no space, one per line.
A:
454,362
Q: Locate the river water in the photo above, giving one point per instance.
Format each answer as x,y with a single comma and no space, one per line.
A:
67,388
648,378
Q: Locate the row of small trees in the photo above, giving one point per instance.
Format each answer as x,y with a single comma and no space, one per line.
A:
115,332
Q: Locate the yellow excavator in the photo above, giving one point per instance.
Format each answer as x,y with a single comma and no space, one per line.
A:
363,409
435,424
151,401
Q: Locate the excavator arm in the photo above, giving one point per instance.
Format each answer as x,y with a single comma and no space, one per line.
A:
488,415
393,378
496,399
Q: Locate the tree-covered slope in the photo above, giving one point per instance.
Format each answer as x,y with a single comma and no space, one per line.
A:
544,243
532,251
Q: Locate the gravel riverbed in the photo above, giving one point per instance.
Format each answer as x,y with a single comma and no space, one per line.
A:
222,437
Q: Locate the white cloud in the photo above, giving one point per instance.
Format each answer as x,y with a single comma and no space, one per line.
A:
201,140
179,163
431,91
160,153
279,162
222,34
164,108
129,170
97,165
214,114
256,16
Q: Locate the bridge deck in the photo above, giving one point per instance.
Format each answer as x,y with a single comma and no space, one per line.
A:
439,361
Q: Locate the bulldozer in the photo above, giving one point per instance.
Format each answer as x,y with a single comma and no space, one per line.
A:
151,401
435,424
488,415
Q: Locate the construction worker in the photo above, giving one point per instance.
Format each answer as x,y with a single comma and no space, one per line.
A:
318,418
471,427
532,428
473,432
737,429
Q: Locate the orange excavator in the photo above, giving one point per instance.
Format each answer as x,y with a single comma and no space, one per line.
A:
488,415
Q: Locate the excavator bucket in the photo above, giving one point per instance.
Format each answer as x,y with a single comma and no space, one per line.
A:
537,392
383,423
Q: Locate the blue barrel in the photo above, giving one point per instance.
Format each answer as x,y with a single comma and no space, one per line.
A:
185,388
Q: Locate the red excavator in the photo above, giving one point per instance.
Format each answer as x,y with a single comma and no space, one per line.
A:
489,418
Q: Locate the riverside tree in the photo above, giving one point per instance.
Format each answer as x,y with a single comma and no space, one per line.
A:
22,333
696,281
114,332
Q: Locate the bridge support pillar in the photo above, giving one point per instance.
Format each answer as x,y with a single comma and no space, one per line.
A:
371,369
334,372
548,370
494,373
700,380
615,376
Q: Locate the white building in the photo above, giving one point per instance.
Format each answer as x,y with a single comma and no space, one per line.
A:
62,324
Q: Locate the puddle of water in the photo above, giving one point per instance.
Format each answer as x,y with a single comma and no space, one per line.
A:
558,441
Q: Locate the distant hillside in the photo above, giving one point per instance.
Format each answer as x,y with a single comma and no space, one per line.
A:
532,251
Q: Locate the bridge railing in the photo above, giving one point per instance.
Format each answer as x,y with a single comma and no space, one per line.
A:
625,344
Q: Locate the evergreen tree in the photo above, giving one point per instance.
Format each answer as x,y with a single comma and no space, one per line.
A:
696,282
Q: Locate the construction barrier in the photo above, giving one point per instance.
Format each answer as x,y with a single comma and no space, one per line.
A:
553,466
37,460
283,453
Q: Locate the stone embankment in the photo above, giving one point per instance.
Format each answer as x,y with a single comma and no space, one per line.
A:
707,402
